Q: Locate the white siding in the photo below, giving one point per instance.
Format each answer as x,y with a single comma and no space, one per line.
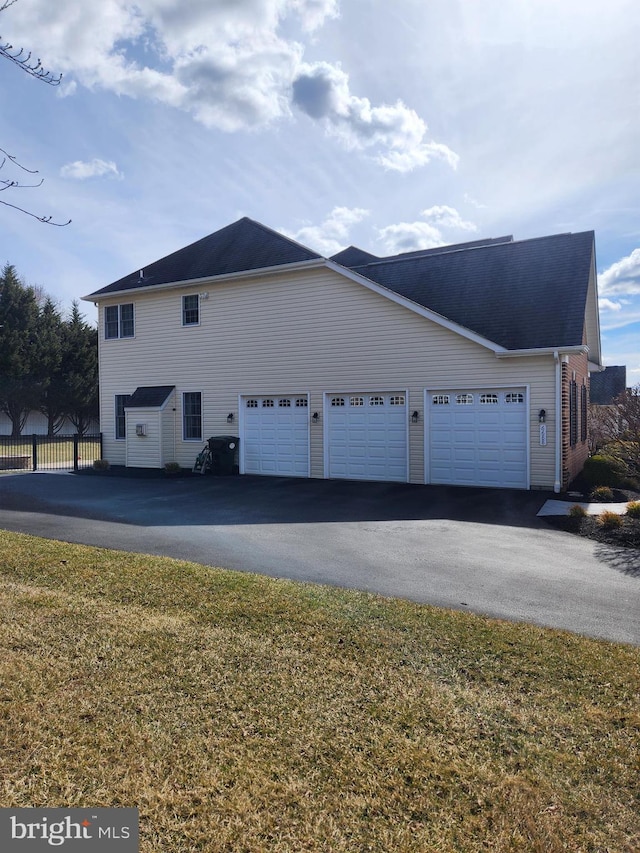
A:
314,332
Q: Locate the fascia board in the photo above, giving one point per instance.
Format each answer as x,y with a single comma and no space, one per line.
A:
206,280
529,353
417,309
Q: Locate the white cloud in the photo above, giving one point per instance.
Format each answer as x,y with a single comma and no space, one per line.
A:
80,170
609,305
226,63
332,234
622,277
426,234
395,132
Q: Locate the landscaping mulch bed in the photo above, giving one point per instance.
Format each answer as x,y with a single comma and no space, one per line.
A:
627,536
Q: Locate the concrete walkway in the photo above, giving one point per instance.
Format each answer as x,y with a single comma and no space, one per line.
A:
562,508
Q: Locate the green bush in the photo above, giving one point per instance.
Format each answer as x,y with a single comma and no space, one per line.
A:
610,520
601,493
633,509
577,511
101,465
602,471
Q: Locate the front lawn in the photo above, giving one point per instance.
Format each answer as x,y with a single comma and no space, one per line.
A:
241,713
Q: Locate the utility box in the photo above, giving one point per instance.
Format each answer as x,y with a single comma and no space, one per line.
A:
224,454
141,429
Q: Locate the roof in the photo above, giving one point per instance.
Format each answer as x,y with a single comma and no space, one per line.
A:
520,295
526,294
605,386
243,245
151,397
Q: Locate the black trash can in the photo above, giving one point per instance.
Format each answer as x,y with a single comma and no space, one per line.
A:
224,454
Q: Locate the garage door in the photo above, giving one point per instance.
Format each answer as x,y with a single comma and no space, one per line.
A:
478,438
275,435
367,436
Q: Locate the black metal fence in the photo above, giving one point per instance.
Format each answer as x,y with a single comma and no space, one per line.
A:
47,452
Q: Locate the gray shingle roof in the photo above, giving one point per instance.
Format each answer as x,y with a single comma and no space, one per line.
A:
150,397
520,295
243,245
607,385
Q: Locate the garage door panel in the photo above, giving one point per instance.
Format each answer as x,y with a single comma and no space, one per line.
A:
373,445
275,438
478,437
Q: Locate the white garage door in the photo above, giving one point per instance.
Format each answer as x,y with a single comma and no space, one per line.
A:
367,436
478,438
275,435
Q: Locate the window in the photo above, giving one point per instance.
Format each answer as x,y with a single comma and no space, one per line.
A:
397,400
376,401
464,399
440,399
356,401
573,413
121,421
252,404
284,403
301,403
192,416
118,321
514,397
267,404
191,310
488,399
337,401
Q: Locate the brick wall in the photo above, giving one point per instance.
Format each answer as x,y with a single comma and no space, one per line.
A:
575,427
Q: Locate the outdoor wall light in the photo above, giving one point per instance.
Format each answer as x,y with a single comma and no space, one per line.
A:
230,418
415,416
315,417
542,416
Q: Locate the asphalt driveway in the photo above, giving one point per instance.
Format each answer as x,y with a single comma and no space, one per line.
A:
481,550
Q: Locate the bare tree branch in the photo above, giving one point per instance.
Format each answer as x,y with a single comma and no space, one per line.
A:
35,69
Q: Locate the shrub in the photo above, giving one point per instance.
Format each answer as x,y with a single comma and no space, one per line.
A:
101,465
610,520
172,467
602,471
601,493
577,511
633,509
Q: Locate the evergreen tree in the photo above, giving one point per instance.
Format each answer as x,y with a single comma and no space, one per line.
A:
20,374
50,379
79,371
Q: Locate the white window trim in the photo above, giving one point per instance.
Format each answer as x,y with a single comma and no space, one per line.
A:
186,325
184,438
119,336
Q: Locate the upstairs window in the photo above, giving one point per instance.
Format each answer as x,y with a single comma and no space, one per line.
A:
191,310
118,321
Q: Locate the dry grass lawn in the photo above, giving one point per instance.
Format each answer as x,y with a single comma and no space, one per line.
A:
245,714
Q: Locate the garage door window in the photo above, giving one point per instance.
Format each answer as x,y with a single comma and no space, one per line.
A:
488,399
252,404
285,403
464,399
267,404
397,400
356,401
440,399
376,401
337,401
516,398
302,403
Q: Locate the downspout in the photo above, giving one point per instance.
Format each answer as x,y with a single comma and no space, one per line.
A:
558,431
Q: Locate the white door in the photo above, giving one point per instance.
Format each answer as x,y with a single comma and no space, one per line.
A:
478,437
366,436
275,435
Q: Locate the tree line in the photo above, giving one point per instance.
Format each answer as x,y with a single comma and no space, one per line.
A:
48,363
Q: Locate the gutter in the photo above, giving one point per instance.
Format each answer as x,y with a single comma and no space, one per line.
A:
519,353
314,263
557,485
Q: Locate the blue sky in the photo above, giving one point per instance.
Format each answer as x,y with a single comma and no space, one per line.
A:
391,126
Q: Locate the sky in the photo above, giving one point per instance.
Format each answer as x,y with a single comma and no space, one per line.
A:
390,126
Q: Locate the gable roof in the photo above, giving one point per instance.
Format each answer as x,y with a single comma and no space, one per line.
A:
244,245
519,295
527,294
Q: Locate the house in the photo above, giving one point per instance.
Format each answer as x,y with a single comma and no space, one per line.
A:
466,364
